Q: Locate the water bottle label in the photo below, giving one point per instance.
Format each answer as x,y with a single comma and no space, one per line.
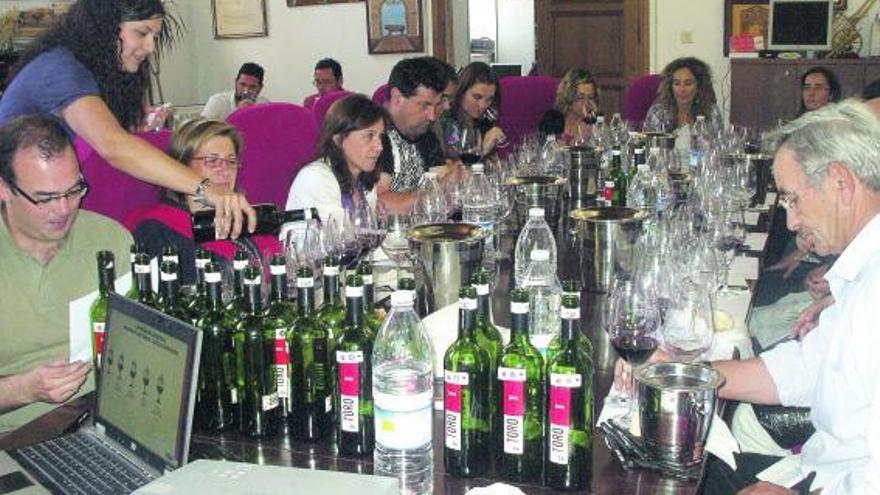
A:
514,408
305,282
560,417
570,313
349,389
270,401
454,386
98,332
278,269
239,264
482,289
519,308
403,422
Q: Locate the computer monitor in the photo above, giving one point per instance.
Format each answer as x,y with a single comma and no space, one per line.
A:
800,25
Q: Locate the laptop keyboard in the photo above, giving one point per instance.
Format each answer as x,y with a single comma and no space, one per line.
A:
81,464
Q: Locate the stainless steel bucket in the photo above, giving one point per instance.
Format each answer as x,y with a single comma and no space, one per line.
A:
449,253
583,172
676,404
537,191
607,239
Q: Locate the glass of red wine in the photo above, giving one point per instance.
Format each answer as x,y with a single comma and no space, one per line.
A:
632,324
470,145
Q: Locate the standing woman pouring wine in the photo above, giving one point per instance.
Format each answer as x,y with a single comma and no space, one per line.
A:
92,71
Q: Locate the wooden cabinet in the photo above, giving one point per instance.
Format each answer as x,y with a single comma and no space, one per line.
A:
762,91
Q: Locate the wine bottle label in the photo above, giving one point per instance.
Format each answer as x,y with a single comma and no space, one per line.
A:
514,407
213,277
278,269
609,192
482,289
560,414
201,262
328,404
168,257
167,277
108,265
305,282
368,279
403,421
233,395
98,332
239,264
519,308
252,281
349,388
270,401
570,313
142,269
467,303
354,291
454,384
282,360
331,270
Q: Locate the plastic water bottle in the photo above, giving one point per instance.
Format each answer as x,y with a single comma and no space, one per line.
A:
403,393
600,134
641,192
480,208
699,141
535,234
551,157
545,297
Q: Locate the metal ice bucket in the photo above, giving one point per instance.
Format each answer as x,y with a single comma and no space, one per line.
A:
676,405
583,172
607,238
449,253
537,191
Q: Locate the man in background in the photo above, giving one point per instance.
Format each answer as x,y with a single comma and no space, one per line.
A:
248,85
327,78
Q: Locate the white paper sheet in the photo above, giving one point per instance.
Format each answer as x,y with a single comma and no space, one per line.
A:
752,217
756,240
742,269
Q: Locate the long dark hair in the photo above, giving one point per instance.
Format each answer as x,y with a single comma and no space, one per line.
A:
90,30
834,90
352,113
475,73
705,98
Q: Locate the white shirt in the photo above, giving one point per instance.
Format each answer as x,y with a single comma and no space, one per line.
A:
834,371
220,105
315,186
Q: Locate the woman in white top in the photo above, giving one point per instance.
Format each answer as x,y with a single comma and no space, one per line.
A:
344,174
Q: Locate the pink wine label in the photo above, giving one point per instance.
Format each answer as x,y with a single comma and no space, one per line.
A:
98,331
513,386
560,415
349,388
454,384
282,360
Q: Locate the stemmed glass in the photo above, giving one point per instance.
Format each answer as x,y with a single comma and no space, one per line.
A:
470,146
729,235
687,329
430,207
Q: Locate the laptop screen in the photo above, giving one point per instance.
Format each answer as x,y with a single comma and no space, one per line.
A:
147,385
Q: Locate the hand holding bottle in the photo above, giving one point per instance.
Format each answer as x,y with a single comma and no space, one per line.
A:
231,208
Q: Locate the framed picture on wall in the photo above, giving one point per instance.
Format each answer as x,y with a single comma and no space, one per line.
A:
745,25
394,26
239,18
303,3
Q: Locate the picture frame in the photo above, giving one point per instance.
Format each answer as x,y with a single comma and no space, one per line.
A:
239,18
306,3
839,4
395,26
745,17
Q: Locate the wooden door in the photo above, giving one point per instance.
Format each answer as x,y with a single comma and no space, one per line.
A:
607,37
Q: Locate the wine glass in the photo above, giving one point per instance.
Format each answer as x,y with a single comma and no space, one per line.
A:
470,146
688,331
729,236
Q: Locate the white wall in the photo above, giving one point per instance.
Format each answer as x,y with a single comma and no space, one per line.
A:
298,37
516,33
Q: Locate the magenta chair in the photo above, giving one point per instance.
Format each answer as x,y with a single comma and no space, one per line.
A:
112,192
323,104
380,96
524,100
279,139
639,97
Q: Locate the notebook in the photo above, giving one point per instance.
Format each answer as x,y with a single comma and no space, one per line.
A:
143,418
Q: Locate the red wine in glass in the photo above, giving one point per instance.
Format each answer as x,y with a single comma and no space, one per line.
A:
469,158
635,350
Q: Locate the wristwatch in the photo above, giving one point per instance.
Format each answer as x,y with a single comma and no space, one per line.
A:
200,195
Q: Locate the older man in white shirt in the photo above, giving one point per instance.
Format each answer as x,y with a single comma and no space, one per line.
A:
827,170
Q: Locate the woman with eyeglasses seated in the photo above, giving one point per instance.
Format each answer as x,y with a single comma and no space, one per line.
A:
572,116
343,176
685,92
475,107
211,149
819,87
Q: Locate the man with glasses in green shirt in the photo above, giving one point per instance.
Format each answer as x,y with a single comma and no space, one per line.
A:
47,260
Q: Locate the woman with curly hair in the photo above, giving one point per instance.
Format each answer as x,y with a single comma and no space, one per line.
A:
685,92
92,71
477,92
571,118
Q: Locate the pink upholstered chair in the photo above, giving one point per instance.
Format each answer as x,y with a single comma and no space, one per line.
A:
279,139
323,104
524,100
639,97
112,192
380,96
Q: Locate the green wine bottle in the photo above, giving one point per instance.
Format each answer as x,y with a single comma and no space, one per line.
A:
309,361
280,316
572,288
374,317
259,397
235,308
569,433
144,282
98,311
487,334
133,251
354,371
332,314
198,300
214,402
466,395
169,292
520,400
618,175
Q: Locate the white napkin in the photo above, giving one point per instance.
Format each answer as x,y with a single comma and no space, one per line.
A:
721,442
786,472
495,489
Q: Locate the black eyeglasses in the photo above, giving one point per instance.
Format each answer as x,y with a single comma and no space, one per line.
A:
77,191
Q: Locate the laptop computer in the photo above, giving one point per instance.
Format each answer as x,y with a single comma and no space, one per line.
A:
143,418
